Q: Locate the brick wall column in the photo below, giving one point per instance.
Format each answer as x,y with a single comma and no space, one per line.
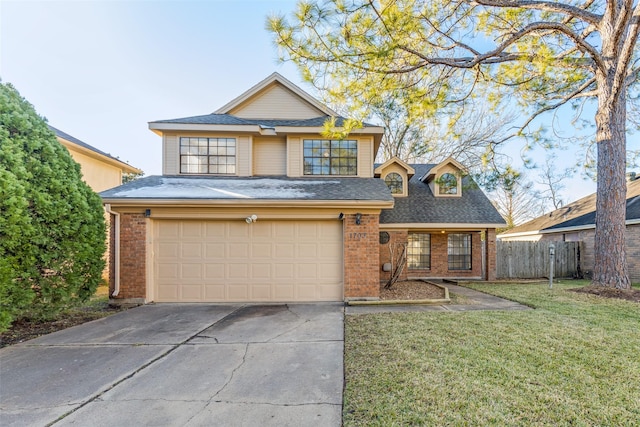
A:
490,251
133,257
361,256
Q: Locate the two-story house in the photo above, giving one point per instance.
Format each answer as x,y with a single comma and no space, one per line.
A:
256,205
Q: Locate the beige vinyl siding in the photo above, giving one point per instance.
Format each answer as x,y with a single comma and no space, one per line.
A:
171,157
276,102
294,157
243,156
365,158
269,156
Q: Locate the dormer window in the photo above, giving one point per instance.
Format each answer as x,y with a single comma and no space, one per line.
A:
448,184
394,182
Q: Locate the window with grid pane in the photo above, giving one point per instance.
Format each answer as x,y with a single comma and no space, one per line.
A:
459,251
394,182
208,155
419,251
330,157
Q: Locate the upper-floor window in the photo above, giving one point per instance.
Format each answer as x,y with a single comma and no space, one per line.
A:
459,251
394,182
330,157
208,155
448,184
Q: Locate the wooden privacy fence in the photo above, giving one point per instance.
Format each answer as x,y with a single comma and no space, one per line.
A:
527,260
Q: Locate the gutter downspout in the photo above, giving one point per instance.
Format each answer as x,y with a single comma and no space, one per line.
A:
116,251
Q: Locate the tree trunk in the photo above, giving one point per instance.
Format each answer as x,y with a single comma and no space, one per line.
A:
610,268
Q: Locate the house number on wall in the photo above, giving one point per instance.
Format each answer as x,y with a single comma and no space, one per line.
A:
357,236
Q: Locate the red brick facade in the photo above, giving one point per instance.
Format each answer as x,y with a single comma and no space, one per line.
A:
361,256
439,255
133,257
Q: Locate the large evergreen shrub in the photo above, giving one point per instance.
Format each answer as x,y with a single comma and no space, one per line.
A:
52,228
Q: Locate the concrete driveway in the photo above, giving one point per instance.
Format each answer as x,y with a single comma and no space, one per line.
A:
182,365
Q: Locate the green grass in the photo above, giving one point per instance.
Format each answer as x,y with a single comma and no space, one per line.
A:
573,361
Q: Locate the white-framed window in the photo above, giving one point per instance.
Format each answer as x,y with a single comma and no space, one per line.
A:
330,157
448,184
419,251
394,182
208,155
459,251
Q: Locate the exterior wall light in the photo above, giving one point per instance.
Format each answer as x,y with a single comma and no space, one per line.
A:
341,216
251,219
358,218
147,213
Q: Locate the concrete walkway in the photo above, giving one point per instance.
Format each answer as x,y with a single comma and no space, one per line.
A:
479,301
182,365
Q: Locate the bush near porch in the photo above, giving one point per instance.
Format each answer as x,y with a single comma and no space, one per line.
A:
571,361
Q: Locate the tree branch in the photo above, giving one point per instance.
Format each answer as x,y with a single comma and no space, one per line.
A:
567,9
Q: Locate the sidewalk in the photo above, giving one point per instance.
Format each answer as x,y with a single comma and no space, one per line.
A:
480,301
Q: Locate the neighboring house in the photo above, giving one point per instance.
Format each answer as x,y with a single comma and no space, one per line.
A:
100,170
575,222
255,205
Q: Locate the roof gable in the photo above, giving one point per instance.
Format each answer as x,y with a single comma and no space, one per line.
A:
395,160
449,161
81,146
275,98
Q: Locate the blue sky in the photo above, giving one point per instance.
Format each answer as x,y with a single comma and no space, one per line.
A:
101,70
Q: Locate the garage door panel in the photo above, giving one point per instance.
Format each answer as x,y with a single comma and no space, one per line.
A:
238,271
261,271
285,251
238,230
283,230
191,250
235,261
191,271
192,229
215,230
214,271
307,271
238,292
168,250
214,250
191,293
214,292
284,271
260,292
167,293
307,250
238,250
261,250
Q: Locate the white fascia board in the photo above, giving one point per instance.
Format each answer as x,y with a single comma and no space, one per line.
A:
373,204
522,234
451,226
202,127
160,127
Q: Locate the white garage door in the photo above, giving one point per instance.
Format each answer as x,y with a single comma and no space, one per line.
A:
213,261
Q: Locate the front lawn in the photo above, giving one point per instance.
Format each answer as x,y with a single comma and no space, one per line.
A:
574,360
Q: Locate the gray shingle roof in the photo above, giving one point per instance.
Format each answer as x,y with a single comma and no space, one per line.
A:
256,188
228,119
578,213
421,206
76,141
632,212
